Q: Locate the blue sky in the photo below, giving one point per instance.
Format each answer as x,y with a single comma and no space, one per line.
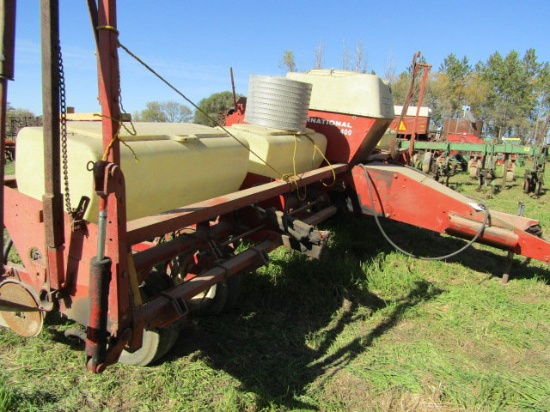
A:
194,43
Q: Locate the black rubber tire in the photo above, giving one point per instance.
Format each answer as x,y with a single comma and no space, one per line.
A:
538,190
526,186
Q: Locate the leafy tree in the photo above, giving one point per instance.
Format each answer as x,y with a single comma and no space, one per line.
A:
453,73
17,118
511,96
400,88
542,118
476,95
18,112
288,62
438,97
171,112
214,108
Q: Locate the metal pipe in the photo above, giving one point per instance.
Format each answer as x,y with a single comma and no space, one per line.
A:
495,236
101,233
156,311
233,88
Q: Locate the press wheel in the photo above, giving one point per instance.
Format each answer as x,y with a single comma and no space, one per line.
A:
155,344
219,298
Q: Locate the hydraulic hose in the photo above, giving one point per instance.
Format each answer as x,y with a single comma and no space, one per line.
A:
397,247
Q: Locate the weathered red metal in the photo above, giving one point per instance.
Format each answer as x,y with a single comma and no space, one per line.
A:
152,312
389,191
351,138
148,227
460,126
7,45
408,125
411,127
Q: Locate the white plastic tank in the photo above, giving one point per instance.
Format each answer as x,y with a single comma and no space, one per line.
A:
275,152
177,164
340,91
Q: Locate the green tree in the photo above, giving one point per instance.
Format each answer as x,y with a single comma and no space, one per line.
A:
288,63
453,72
214,108
542,119
400,88
19,112
511,96
171,112
17,118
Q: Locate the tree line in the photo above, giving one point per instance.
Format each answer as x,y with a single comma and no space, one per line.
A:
509,93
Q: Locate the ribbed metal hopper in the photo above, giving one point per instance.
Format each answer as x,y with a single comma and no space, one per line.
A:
277,102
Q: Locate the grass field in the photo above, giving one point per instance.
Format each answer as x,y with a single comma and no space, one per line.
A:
363,329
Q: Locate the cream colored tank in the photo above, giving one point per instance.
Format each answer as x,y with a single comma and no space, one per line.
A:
341,91
274,152
178,164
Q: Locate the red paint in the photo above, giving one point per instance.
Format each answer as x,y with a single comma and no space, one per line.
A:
350,139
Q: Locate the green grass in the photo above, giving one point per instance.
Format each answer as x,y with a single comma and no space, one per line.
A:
363,329
10,168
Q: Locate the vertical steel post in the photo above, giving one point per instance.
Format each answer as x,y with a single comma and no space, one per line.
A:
7,43
108,76
109,289
53,198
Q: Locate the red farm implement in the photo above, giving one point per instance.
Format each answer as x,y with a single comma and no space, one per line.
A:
150,242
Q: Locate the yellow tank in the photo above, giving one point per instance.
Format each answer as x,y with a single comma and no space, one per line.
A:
178,164
275,152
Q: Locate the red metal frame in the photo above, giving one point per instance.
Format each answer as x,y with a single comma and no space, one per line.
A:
415,125
390,190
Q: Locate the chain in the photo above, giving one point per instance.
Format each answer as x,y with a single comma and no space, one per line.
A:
63,127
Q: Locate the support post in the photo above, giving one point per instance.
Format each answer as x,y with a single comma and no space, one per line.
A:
53,198
7,44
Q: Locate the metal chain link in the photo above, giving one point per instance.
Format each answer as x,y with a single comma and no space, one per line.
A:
63,127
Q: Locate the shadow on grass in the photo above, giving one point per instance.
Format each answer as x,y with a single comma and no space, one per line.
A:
289,327
421,242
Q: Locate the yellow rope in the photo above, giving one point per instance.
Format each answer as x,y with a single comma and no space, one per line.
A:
291,178
110,28
116,137
316,148
131,54
294,177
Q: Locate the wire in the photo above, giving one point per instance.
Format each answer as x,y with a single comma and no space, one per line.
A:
194,105
443,257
